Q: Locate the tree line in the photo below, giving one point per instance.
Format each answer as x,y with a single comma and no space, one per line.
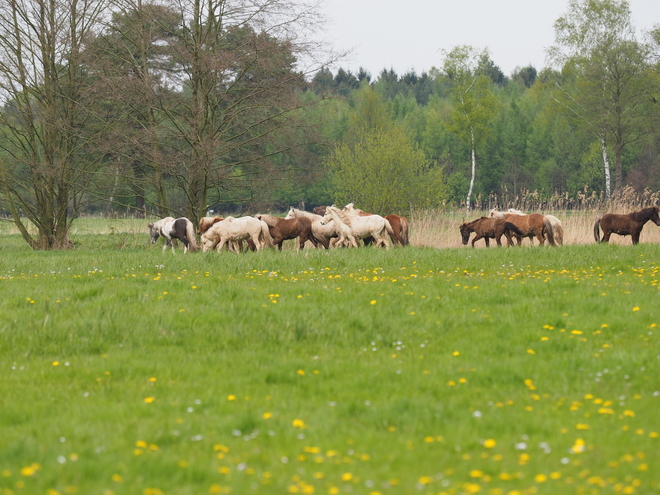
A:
175,108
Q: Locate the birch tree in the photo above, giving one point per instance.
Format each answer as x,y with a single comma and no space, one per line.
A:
474,103
608,83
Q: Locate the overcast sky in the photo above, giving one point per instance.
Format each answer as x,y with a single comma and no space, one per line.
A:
411,34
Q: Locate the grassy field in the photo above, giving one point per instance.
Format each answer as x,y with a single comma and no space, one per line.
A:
126,370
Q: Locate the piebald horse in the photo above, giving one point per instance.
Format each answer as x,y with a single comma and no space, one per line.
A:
179,228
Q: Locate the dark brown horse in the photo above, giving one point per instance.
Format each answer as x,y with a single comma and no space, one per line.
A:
533,225
489,228
282,229
630,224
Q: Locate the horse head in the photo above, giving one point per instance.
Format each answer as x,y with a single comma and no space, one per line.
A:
291,214
154,232
465,233
655,218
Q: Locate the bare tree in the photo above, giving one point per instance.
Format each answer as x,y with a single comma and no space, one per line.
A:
44,169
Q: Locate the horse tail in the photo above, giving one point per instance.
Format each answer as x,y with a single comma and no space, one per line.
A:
559,232
404,231
597,230
548,230
513,228
388,228
265,233
190,234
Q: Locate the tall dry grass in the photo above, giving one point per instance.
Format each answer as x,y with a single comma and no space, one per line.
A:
439,228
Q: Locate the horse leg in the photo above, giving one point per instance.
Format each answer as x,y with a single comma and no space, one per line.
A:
540,237
606,236
221,244
487,239
498,239
476,238
635,237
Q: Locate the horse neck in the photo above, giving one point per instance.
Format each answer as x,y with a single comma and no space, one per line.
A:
339,216
642,215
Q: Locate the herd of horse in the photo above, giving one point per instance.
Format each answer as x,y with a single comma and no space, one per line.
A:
514,223
329,226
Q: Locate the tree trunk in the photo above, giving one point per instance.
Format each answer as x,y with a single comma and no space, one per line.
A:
606,164
474,168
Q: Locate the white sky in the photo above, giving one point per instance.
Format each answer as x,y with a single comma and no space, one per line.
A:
411,34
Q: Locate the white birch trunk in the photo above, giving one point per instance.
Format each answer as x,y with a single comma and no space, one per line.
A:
606,164
474,168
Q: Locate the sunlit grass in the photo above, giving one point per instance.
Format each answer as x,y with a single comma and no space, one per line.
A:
418,370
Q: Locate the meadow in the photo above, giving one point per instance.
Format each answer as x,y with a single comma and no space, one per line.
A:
433,369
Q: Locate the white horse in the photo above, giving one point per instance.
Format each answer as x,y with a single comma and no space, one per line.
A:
179,228
323,233
236,229
557,229
355,227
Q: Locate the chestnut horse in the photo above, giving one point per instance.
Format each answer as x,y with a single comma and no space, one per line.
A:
630,224
489,228
532,225
282,229
399,226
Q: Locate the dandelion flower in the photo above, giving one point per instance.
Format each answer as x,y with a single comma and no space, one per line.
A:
149,400
490,443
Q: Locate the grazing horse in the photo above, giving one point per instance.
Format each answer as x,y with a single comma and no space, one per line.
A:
630,224
154,229
489,228
557,228
236,229
399,225
205,223
180,228
321,233
356,227
282,229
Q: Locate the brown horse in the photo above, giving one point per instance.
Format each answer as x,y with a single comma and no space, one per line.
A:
630,224
399,226
489,228
282,229
533,225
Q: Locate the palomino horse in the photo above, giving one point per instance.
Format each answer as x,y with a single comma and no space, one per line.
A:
321,233
282,229
236,229
399,225
205,223
356,227
630,224
488,228
180,228
557,228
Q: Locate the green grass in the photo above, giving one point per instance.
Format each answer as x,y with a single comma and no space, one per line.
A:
127,370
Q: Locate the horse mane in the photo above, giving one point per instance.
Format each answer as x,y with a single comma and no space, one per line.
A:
342,215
